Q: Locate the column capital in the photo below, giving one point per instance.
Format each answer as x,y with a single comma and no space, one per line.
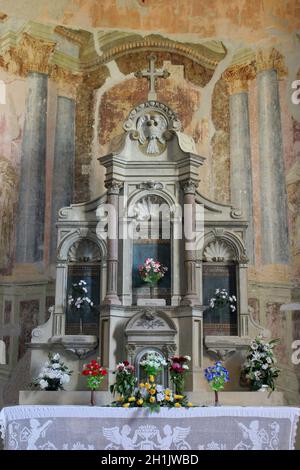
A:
189,186
114,186
30,55
238,76
67,82
268,59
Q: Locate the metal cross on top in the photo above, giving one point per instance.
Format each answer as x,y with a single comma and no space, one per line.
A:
151,74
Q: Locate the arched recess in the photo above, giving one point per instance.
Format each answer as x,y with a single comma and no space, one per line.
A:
150,330
152,237
81,256
223,265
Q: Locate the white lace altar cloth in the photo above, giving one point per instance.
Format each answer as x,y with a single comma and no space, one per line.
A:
33,427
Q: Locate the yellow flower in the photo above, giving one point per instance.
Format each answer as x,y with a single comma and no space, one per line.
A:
167,392
152,391
178,397
151,378
142,385
126,405
147,385
152,399
140,401
190,404
130,399
167,398
120,398
177,405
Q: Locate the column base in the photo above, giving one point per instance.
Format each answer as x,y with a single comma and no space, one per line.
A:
190,299
112,299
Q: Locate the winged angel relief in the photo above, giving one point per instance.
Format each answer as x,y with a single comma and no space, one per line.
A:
146,437
151,131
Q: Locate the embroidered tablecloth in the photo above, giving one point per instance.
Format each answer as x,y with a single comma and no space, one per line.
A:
31,427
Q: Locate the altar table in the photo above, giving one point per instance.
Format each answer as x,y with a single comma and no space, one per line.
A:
32,427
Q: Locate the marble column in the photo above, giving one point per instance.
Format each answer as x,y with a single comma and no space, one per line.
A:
240,148
111,298
190,296
31,209
274,220
63,168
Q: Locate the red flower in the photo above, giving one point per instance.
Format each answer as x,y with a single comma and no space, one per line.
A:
85,372
103,372
95,373
126,363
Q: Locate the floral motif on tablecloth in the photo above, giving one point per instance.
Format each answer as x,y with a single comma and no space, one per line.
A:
212,446
147,437
77,446
258,438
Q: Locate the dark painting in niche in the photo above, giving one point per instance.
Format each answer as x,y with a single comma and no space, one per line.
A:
91,275
221,321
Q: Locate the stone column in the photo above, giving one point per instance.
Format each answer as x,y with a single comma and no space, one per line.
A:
190,297
63,168
274,220
34,54
111,298
240,148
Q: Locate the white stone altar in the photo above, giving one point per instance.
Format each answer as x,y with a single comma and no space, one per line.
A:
153,180
96,428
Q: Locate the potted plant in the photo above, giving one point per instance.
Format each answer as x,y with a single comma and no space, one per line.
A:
152,271
217,376
260,370
95,375
178,369
78,301
125,380
54,375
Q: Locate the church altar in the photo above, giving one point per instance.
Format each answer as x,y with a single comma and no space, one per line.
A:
103,428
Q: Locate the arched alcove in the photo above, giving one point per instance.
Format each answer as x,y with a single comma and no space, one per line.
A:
84,263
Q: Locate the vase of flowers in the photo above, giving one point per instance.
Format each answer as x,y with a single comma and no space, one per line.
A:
153,364
152,271
125,380
217,376
178,369
54,375
95,375
221,299
78,301
259,369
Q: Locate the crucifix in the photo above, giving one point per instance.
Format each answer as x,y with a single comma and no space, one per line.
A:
151,74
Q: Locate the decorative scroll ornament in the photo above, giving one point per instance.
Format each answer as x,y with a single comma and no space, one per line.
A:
149,321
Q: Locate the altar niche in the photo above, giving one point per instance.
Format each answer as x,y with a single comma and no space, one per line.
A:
152,239
221,321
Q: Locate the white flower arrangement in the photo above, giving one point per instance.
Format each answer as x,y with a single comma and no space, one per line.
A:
221,299
259,368
153,363
54,375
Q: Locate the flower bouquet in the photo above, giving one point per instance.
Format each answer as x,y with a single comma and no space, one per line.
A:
153,396
152,271
216,376
221,299
54,375
153,364
78,300
95,375
178,369
125,380
259,369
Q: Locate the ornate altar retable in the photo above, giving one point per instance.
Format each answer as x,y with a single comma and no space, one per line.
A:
103,428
